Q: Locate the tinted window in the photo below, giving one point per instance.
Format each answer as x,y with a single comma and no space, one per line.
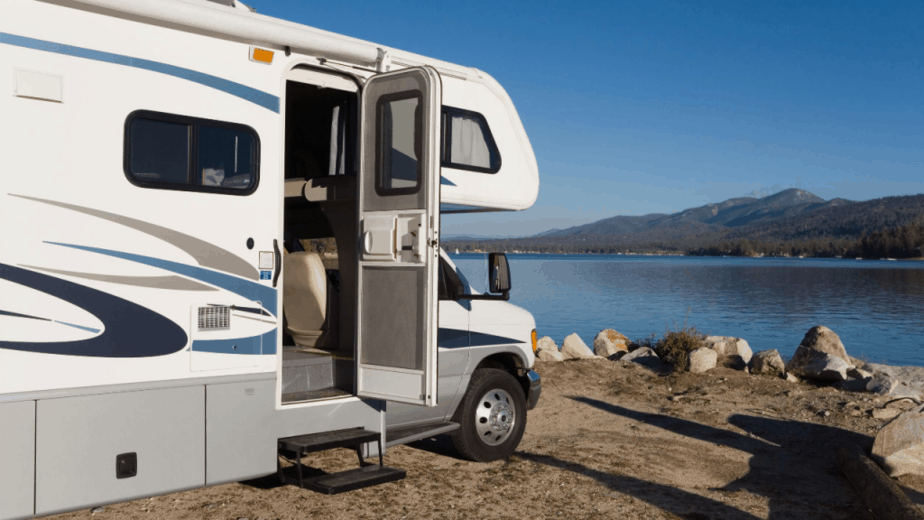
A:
399,142
225,158
184,153
467,142
159,151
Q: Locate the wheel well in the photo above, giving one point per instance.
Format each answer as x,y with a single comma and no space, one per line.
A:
509,362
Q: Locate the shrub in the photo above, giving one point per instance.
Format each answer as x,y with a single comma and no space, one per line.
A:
676,345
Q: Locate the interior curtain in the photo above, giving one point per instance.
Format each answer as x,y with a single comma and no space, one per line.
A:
468,143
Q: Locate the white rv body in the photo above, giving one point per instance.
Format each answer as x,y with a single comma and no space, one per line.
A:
147,318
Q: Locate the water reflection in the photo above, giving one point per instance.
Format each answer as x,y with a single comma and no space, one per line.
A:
876,307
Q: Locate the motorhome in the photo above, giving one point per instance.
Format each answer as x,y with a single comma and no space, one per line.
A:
220,252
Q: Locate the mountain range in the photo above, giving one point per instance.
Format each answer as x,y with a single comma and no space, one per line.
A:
790,215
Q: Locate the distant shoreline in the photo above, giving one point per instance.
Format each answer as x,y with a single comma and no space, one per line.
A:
518,252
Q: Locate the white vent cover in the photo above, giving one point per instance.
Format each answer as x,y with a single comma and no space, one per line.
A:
214,318
38,85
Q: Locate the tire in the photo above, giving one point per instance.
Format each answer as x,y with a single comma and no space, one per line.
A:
492,401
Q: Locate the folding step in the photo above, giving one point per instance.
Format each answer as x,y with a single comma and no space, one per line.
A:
353,479
366,475
408,434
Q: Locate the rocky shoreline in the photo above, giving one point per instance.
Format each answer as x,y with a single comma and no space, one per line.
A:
820,359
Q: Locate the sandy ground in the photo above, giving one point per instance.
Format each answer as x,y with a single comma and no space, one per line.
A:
607,440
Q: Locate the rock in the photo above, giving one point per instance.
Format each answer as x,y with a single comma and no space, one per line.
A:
768,362
609,342
853,385
824,367
899,446
890,386
640,353
885,414
790,378
97,510
702,360
736,348
547,350
575,348
818,339
858,373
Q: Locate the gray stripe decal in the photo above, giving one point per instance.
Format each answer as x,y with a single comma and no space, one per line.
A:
207,255
17,315
250,290
254,345
170,283
480,339
258,97
446,182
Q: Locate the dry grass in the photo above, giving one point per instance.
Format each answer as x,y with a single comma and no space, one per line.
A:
675,346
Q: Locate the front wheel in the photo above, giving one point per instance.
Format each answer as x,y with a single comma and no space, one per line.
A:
491,416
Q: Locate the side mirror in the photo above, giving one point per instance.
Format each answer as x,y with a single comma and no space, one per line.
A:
499,276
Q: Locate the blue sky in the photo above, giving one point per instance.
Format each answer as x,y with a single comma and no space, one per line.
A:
657,106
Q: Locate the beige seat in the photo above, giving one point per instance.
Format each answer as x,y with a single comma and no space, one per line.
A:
309,304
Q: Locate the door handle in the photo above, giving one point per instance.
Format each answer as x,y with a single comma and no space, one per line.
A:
278,261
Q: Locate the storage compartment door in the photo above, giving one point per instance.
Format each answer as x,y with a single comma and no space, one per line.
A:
398,234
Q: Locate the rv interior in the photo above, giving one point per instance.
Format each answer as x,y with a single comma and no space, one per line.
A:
319,286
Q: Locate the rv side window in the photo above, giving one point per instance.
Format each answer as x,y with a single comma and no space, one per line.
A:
175,152
399,123
467,142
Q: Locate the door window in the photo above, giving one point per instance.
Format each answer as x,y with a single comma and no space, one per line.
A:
399,124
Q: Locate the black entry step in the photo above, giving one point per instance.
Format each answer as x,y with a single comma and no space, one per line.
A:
353,479
408,434
302,444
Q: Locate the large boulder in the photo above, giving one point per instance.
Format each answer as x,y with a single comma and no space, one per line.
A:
701,360
903,381
609,342
547,350
736,349
768,362
818,339
575,348
899,445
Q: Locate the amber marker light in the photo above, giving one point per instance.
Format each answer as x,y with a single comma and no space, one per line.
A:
533,337
261,55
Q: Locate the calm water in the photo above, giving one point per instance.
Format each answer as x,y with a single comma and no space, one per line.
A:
877,307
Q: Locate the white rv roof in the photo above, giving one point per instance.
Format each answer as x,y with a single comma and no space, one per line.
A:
241,22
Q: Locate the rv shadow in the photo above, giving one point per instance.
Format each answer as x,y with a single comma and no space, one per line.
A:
667,498
793,463
439,445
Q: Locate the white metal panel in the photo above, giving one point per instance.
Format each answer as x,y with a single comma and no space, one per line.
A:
17,460
73,153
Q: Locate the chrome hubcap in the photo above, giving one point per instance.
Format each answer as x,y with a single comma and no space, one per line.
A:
495,417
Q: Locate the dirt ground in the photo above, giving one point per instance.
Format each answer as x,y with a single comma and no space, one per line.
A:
607,440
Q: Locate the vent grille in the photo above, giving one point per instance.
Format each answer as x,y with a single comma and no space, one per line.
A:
214,318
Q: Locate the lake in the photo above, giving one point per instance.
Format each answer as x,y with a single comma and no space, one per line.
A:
875,306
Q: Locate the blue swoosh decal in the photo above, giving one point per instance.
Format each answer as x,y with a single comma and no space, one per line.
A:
17,315
254,345
457,338
131,331
258,97
250,290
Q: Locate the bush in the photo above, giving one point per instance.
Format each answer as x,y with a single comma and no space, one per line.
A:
676,345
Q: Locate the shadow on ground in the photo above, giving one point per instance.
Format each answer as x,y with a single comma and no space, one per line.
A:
793,465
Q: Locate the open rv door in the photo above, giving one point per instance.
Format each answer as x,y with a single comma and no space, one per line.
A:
399,230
